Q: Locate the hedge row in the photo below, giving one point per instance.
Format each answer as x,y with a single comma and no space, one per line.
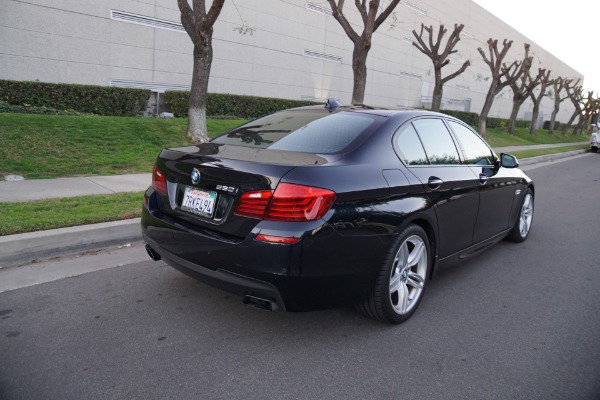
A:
10,108
472,119
546,125
99,100
238,106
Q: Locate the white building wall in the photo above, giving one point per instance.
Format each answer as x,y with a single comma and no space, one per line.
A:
76,41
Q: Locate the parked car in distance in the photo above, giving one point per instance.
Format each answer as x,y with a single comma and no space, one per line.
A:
594,139
315,207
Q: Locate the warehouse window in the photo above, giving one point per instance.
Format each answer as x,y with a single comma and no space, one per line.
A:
322,56
415,8
146,21
318,8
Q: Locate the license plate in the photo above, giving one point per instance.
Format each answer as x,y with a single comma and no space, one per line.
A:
198,201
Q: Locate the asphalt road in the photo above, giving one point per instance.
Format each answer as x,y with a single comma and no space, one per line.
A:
517,322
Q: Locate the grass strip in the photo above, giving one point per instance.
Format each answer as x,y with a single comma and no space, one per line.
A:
543,152
73,211
499,137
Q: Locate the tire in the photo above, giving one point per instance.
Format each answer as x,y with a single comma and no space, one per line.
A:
594,149
522,227
401,280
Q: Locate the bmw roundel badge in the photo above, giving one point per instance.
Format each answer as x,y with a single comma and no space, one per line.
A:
195,176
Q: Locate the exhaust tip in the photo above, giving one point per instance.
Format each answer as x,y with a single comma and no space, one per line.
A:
259,302
152,253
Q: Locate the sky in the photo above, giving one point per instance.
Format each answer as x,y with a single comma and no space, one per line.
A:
567,29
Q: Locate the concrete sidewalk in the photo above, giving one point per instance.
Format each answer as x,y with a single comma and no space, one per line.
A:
35,246
37,189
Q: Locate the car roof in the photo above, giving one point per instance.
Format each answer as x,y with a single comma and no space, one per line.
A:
366,109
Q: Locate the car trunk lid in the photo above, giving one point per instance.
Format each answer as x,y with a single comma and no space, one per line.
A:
205,182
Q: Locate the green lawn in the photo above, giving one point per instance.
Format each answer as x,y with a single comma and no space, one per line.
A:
497,137
51,146
553,150
59,213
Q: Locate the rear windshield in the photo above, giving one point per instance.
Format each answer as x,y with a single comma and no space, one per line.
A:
307,131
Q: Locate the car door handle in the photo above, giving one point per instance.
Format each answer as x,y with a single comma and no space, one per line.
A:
434,182
483,179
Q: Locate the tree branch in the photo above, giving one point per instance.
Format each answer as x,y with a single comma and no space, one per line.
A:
215,10
337,12
187,18
362,9
458,72
385,13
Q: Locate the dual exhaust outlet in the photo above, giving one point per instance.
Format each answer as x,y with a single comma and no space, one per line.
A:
248,299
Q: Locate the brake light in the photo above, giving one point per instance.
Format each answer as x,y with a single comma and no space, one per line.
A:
254,204
292,202
277,239
159,182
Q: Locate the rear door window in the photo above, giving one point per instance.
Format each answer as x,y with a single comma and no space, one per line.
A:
475,149
436,139
409,147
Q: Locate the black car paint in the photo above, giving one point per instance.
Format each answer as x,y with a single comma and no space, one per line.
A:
336,260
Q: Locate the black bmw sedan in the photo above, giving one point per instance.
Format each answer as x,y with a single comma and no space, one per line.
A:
315,207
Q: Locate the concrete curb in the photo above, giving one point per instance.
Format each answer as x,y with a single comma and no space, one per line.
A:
25,247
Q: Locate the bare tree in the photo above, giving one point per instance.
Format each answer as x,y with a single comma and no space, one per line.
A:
502,75
590,105
537,99
522,88
198,23
440,59
558,85
575,93
363,41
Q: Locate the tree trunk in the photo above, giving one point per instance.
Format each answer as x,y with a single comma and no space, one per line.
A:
581,125
568,124
438,91
553,118
203,54
513,116
487,106
534,118
359,68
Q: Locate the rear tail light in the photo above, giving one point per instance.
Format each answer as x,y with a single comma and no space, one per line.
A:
159,182
299,203
289,202
254,204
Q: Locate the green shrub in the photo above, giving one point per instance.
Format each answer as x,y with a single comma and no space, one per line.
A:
546,125
99,100
9,108
470,118
238,106
492,122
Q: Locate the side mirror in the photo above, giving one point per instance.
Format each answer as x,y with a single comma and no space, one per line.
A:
508,161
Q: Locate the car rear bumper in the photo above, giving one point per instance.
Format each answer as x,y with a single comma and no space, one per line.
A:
222,279
309,275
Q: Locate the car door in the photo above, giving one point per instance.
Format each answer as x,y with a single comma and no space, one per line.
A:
430,154
497,185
